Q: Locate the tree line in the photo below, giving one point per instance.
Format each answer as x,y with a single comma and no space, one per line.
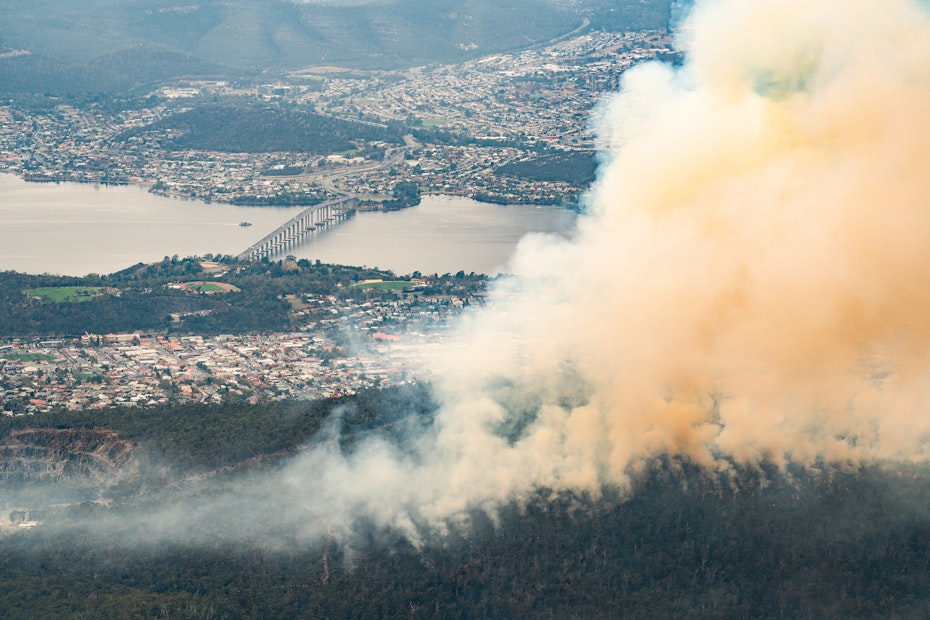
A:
680,545
254,129
759,542
145,303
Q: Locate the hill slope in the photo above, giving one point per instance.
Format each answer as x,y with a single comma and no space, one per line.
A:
761,543
105,45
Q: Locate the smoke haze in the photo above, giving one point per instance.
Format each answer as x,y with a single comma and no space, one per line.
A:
751,284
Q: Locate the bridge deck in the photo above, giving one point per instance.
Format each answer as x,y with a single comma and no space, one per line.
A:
298,226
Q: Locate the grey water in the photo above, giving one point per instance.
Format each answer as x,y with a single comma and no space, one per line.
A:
443,234
76,229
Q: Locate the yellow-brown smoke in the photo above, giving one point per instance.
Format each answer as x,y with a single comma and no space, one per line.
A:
752,283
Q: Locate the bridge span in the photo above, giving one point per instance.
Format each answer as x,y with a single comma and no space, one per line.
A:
289,234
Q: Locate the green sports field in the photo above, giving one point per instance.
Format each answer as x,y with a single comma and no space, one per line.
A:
29,357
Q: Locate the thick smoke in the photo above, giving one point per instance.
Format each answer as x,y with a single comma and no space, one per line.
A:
751,285
753,280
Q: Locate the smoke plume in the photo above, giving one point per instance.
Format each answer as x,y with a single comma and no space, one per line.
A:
752,281
751,284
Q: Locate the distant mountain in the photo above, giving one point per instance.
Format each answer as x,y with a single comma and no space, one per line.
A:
625,15
100,44
114,72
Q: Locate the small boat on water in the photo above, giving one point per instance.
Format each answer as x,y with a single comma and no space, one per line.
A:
245,223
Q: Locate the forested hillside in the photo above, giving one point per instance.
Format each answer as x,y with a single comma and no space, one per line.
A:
575,167
141,299
78,50
264,129
192,438
680,543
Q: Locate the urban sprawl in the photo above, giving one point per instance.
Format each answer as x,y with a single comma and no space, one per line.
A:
511,104
344,346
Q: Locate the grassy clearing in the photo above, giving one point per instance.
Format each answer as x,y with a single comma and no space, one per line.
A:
213,267
88,377
210,287
429,123
393,285
67,294
29,357
296,302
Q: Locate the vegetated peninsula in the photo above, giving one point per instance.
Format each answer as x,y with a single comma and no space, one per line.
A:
258,297
191,330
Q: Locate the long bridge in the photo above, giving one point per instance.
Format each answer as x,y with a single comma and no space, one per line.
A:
289,234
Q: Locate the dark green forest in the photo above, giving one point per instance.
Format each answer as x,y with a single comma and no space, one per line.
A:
756,543
406,194
281,199
111,82
575,167
196,437
248,129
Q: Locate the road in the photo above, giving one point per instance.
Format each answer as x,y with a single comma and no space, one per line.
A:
392,157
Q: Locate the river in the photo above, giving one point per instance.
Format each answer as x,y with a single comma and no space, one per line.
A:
76,229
